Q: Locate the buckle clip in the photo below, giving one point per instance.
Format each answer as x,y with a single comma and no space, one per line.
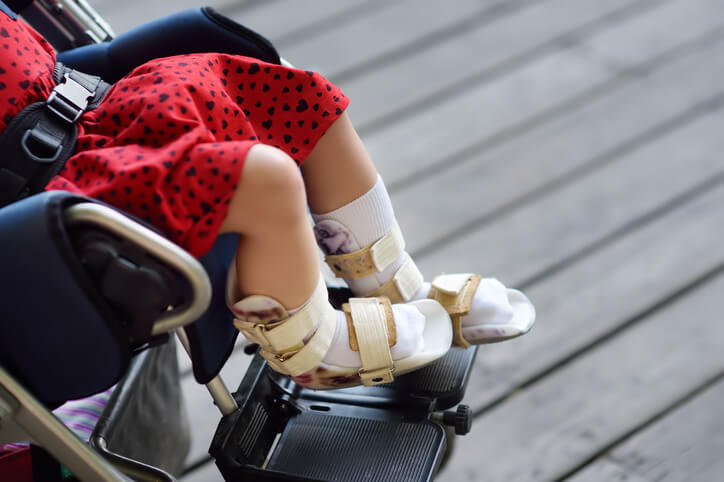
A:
259,333
69,100
376,376
282,357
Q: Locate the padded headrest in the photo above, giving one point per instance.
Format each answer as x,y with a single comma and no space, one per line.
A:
191,31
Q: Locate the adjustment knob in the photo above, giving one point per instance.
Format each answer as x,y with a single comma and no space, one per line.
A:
461,419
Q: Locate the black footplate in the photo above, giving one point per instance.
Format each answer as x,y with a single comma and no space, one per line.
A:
285,432
438,386
358,446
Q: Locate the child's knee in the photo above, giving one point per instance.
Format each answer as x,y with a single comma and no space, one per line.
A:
272,171
270,192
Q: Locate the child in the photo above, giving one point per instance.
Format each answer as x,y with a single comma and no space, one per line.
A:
202,144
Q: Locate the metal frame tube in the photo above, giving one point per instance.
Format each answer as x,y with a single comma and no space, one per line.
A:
28,414
216,387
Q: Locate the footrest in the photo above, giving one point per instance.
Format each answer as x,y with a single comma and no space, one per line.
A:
283,431
442,385
329,447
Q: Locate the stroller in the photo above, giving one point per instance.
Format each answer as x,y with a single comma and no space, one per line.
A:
125,290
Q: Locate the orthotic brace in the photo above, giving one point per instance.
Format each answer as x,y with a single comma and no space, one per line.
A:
374,259
455,292
296,344
371,318
282,338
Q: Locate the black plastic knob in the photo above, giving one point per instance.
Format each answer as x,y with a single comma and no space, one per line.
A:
461,419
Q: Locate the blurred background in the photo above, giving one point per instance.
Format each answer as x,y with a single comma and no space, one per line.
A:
571,148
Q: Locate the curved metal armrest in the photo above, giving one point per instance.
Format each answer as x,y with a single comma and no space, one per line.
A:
90,213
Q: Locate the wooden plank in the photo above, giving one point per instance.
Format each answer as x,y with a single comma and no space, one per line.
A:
421,141
203,413
611,286
535,237
285,22
273,19
685,445
552,427
465,123
608,470
537,159
641,37
399,27
392,89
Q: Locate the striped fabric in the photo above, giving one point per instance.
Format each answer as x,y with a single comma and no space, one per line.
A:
80,416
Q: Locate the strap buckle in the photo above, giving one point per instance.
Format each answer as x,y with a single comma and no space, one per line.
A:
259,335
376,376
69,100
282,357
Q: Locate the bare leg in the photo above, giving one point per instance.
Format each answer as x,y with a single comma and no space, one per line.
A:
277,254
277,258
339,169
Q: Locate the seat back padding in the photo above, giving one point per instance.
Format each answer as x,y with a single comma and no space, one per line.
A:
56,335
212,336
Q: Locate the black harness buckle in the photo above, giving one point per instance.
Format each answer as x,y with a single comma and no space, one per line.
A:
40,138
69,100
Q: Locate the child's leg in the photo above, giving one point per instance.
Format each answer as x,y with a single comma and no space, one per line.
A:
277,298
352,210
277,252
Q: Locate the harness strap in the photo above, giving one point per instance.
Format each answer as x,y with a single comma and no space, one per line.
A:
39,139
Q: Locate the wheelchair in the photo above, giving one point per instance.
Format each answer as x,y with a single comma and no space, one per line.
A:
125,290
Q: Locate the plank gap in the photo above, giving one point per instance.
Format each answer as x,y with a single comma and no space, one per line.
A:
464,154
630,226
498,70
484,16
573,175
614,332
676,404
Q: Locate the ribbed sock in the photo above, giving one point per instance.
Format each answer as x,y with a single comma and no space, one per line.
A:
366,219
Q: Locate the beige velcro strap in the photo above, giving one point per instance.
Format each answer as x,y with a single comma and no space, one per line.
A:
287,335
389,318
307,358
404,284
370,325
372,259
455,292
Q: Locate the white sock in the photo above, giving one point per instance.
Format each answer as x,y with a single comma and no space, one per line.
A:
366,219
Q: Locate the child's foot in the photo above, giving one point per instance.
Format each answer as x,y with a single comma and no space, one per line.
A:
370,342
365,247
482,310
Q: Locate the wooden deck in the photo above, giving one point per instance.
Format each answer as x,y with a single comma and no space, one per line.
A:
572,148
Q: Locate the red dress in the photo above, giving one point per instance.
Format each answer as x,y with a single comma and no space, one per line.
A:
168,142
